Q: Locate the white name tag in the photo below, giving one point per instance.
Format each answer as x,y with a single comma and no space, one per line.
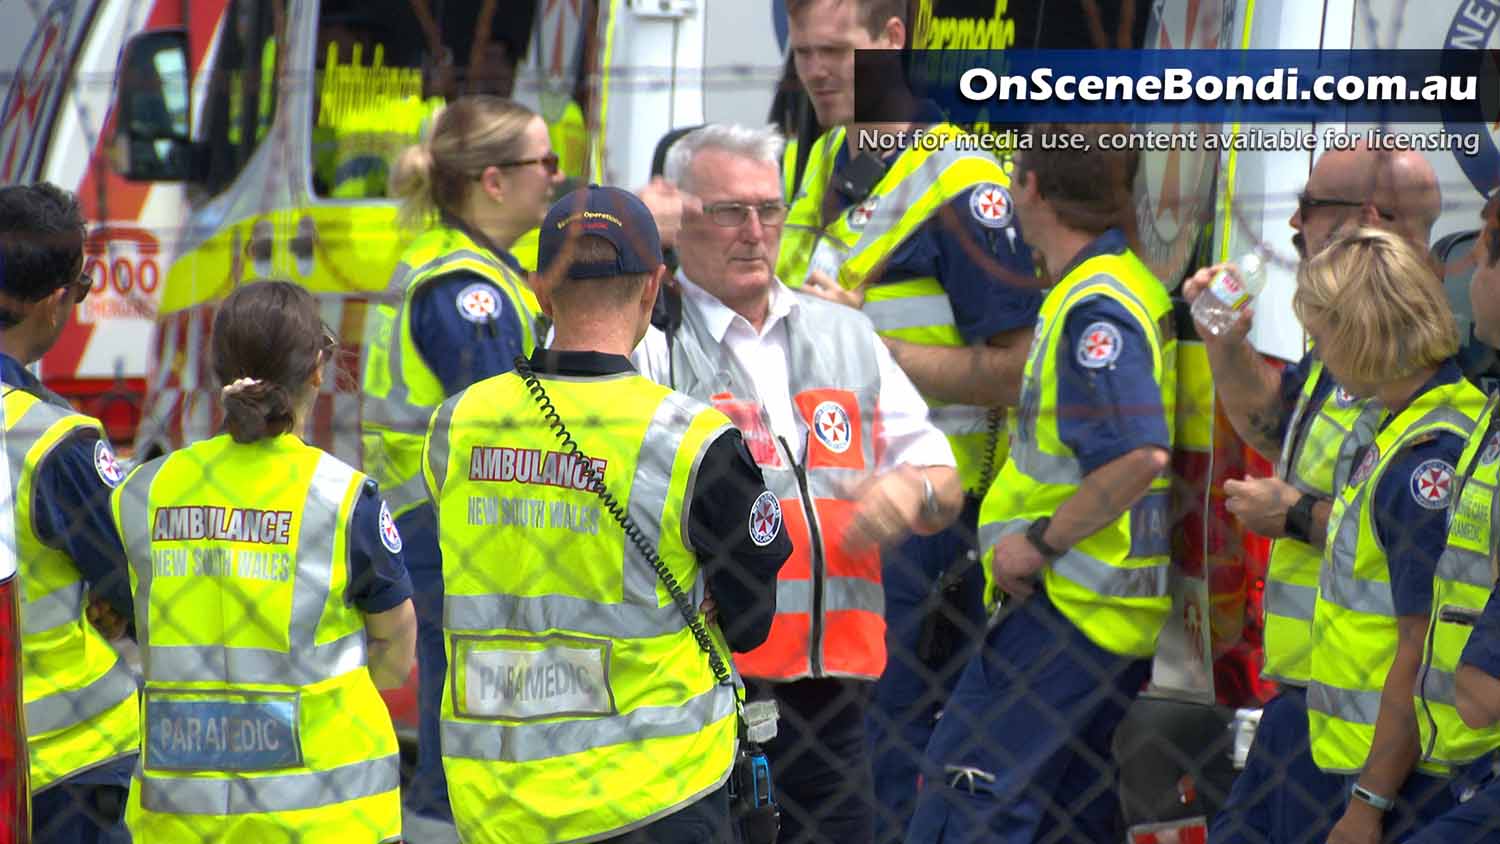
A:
519,679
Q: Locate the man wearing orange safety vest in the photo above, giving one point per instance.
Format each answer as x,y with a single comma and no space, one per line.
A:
843,440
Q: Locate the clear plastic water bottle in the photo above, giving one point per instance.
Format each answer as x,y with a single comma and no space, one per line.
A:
1217,308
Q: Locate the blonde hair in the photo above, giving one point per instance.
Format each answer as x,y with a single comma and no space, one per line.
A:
1382,307
468,135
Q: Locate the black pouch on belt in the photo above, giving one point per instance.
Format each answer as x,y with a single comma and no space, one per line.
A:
943,627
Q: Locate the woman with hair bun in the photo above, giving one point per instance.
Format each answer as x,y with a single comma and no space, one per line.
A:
457,310
271,602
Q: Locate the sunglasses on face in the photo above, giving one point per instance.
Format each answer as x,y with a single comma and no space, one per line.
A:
1307,203
81,286
549,163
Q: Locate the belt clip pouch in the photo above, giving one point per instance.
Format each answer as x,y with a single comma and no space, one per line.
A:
942,635
752,800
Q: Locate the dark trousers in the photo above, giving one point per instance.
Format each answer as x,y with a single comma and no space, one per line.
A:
1422,800
1474,821
428,791
1032,719
820,767
703,822
86,808
921,673
1282,795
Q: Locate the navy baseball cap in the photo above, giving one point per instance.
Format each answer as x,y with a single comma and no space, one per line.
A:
616,215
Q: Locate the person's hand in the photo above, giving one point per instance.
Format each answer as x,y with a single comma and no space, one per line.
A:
819,284
1198,283
110,624
886,510
1261,504
666,204
1361,824
709,608
1015,564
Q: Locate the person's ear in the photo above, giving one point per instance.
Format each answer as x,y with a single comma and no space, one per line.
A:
893,34
542,287
653,286
492,181
316,381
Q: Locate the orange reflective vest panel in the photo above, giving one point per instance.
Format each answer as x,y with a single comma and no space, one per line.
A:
830,604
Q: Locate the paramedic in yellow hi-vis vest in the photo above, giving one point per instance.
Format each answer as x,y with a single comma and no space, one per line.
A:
271,602
1388,526
583,705
1458,704
1074,529
457,310
1310,428
925,242
81,711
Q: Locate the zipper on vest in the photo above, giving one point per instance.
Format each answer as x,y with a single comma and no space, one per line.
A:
816,639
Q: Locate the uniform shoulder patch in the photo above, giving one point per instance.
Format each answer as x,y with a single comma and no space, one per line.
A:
832,427
1432,484
1099,345
478,302
765,519
991,205
389,536
1343,399
106,465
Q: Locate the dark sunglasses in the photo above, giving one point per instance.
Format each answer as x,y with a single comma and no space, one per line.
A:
548,162
81,287
1306,203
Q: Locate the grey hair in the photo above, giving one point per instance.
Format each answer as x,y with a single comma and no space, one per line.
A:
758,144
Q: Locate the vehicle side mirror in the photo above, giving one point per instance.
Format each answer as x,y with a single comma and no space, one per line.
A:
152,140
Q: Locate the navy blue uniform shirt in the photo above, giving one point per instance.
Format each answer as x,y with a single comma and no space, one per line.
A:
1483,648
465,327
377,573
975,250
739,567
70,501
1410,508
1108,401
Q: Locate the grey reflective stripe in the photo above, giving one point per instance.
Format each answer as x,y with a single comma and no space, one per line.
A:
213,663
437,446
248,795
1289,440
956,420
411,491
1043,467
648,491
1100,577
1289,600
894,204
909,312
1357,707
76,706
500,742
304,662
1460,565
990,533
793,596
850,593
1438,686
396,415
1372,597
62,606
559,612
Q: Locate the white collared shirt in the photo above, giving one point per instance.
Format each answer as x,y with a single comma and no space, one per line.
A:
905,433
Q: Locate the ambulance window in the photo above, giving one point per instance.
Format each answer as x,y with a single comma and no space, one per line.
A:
242,96
384,67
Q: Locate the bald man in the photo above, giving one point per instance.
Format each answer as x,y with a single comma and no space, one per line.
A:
1311,429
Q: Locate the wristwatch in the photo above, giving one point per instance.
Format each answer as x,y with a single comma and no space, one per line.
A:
1384,804
1034,533
1298,524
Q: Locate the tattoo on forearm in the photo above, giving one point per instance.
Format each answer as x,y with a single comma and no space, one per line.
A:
1265,423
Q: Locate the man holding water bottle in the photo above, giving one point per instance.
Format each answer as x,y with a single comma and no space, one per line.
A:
1311,428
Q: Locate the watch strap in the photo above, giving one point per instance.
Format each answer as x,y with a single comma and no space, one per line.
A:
1298,524
1384,804
1035,533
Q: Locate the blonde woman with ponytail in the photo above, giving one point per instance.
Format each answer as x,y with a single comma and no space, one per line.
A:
457,310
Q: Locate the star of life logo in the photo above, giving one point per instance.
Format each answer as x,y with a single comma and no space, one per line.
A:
106,465
1432,484
863,213
831,426
1366,466
765,519
477,302
389,536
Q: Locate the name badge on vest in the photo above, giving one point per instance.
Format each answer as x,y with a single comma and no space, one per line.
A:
524,678
1150,531
222,731
747,416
